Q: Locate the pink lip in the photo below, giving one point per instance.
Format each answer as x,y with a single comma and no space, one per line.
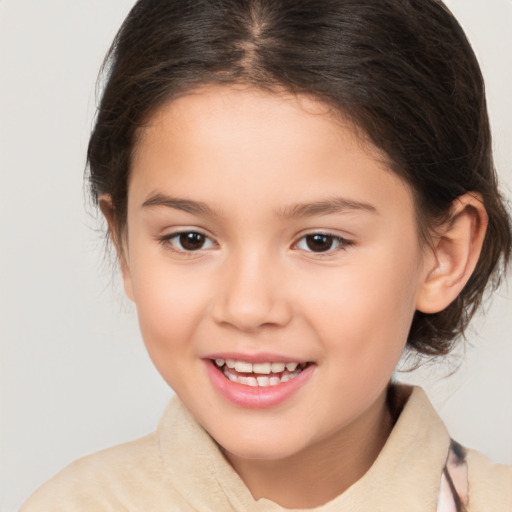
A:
256,397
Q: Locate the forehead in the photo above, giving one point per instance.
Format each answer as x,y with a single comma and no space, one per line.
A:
280,147
245,112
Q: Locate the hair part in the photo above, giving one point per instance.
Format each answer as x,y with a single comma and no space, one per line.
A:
401,71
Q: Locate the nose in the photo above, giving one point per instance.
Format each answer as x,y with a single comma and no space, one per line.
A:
252,294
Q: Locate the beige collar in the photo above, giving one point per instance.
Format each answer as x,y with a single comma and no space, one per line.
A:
405,476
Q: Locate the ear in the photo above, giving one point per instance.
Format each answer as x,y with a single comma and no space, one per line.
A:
119,241
454,254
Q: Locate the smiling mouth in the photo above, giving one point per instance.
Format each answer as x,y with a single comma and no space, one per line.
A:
259,374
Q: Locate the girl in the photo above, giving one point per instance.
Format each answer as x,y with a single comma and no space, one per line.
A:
297,193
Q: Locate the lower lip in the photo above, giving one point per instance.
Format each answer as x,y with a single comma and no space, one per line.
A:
256,397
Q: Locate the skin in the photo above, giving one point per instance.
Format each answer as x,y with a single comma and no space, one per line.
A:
255,286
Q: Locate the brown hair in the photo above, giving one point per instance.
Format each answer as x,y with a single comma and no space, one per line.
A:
401,70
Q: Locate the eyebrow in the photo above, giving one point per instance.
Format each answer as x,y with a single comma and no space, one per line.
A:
317,208
327,207
186,205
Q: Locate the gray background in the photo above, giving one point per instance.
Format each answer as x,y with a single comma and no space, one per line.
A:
75,377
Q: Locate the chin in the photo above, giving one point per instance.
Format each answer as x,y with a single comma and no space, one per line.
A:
261,447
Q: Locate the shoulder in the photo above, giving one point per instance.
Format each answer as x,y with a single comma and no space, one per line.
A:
115,479
484,486
169,470
490,485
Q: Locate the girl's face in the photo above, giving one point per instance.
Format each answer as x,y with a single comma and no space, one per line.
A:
263,233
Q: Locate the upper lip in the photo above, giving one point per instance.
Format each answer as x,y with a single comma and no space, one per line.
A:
263,357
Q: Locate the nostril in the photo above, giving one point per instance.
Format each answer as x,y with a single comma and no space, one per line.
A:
252,316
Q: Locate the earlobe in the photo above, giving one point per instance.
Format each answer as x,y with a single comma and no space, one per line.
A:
108,211
454,254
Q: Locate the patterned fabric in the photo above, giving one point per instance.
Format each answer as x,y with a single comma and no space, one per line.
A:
453,492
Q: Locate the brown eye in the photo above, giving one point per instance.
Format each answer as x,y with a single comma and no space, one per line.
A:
322,242
187,241
191,241
319,242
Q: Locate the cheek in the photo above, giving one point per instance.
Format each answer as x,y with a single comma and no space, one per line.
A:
170,304
364,311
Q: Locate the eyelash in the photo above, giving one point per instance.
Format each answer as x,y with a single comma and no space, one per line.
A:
342,244
167,242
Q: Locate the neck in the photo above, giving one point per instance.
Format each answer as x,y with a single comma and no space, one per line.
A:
323,471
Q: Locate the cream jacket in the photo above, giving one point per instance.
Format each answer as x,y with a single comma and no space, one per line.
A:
180,468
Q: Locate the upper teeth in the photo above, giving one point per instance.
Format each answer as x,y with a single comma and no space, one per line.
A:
261,368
